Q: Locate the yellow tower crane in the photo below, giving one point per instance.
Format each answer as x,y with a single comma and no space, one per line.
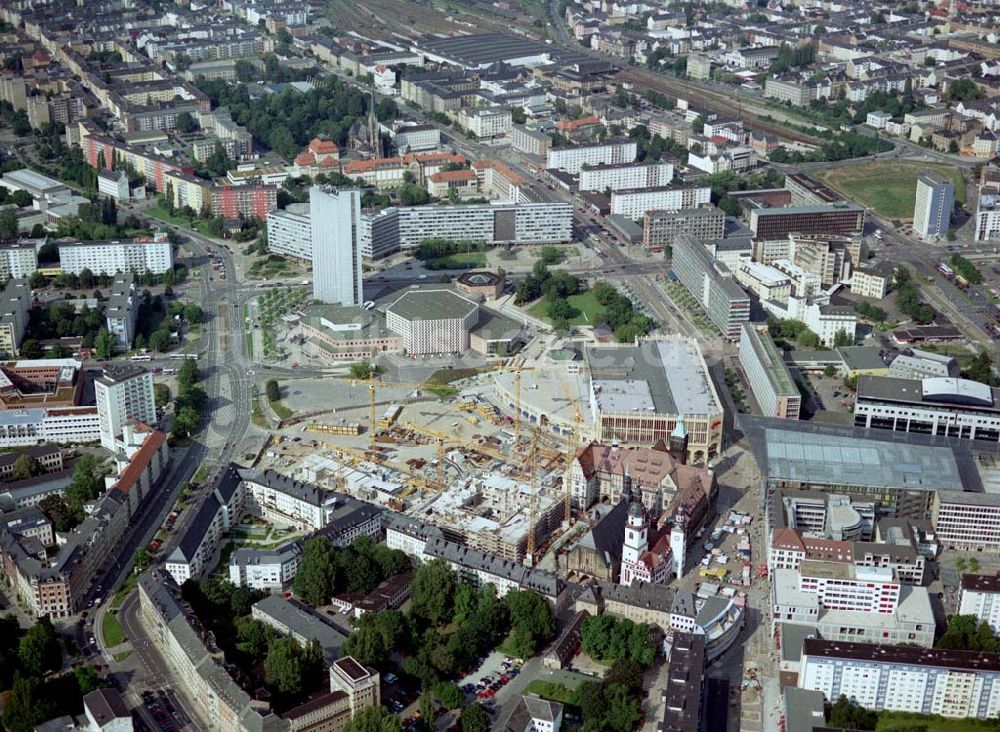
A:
533,501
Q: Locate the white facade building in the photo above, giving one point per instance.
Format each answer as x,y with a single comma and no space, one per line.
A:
69,425
822,318
336,244
123,392
635,203
111,257
432,321
627,176
488,123
271,570
290,233
954,684
981,597
17,261
766,282
572,159
934,202
392,229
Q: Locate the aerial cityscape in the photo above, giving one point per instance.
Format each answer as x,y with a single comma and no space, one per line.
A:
515,365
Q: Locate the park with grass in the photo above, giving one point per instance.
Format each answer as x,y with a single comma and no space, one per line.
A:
585,309
889,188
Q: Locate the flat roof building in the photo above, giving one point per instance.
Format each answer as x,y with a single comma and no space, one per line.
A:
952,684
433,321
937,406
842,219
647,392
770,381
711,283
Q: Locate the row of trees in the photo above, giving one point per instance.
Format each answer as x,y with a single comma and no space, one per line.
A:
190,402
327,570
841,146
908,299
967,269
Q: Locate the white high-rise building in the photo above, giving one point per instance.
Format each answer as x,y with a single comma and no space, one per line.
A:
935,199
123,392
336,245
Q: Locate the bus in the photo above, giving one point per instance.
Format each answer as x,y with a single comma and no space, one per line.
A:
141,357
389,416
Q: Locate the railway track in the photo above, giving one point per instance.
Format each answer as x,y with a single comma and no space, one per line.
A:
716,101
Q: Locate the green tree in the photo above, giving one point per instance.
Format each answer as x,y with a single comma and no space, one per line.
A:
40,651
192,313
86,484
31,348
532,619
161,394
87,679
432,591
843,338
186,123
846,714
474,719
26,466
373,719
284,665
61,515
272,390
449,695
375,636
103,345
363,370
8,225
23,709
623,709
141,558
315,579
159,340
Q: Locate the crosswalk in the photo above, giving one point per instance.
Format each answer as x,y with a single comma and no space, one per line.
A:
222,415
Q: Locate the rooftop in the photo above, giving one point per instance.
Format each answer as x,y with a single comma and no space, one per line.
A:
909,655
432,305
665,376
485,49
827,454
770,359
936,390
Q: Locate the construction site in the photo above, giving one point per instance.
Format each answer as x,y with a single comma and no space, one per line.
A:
401,444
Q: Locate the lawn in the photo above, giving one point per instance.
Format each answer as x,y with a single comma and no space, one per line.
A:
589,309
462,260
893,721
890,188
281,410
162,214
112,630
550,691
